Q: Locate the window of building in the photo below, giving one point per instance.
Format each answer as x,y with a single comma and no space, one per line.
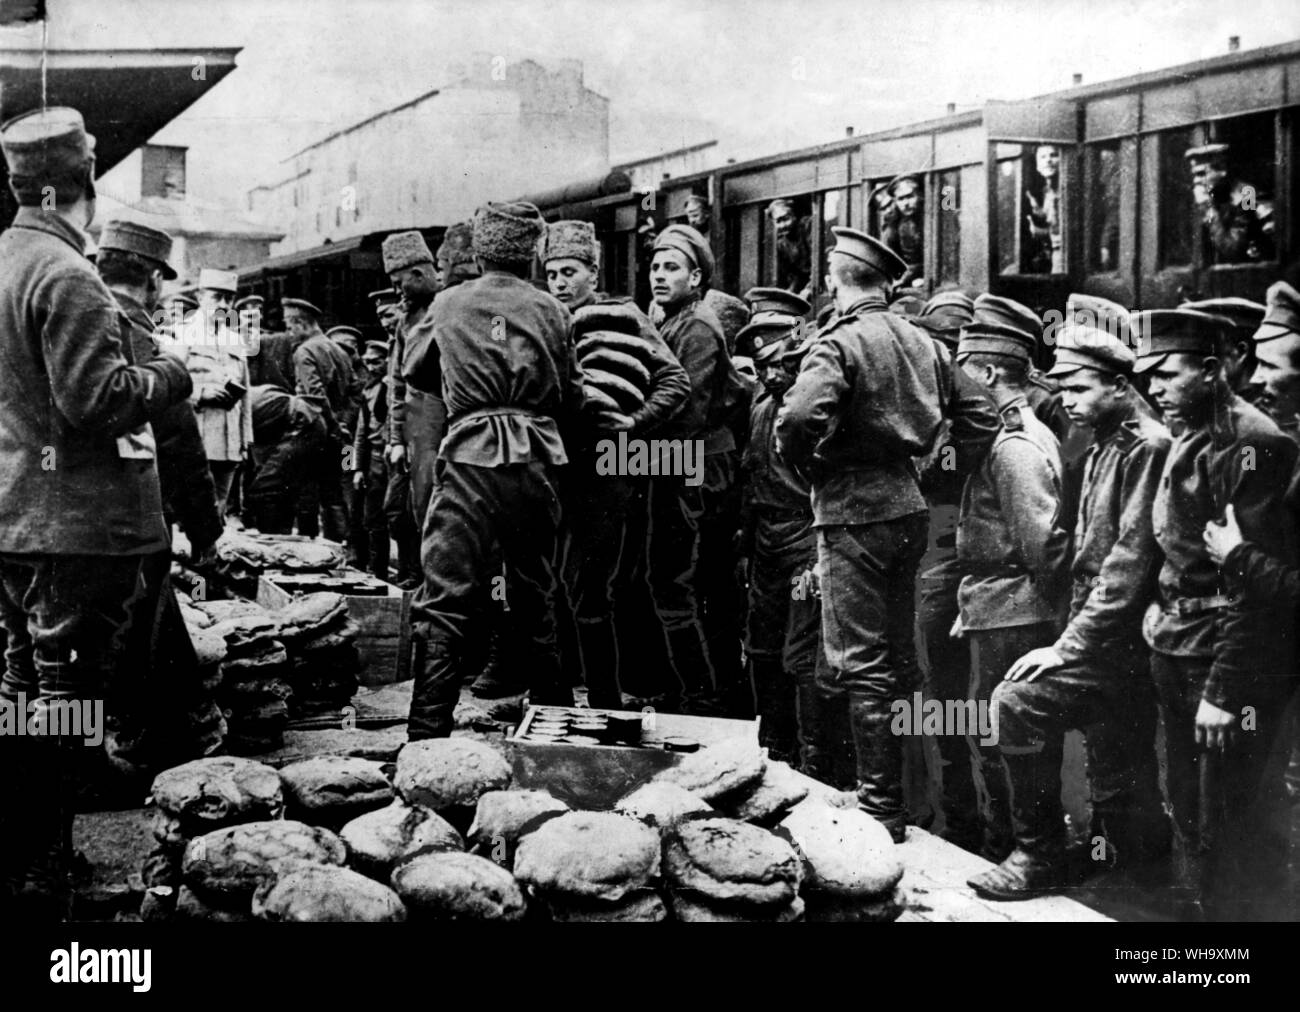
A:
1102,232
1031,208
948,227
834,214
1177,220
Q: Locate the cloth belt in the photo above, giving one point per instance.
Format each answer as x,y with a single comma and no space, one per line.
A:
1185,606
478,413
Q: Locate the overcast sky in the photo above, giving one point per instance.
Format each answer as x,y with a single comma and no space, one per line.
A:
760,75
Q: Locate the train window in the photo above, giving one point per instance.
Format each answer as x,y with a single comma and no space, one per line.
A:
902,222
1177,227
1030,211
790,222
1232,188
1103,207
835,214
948,225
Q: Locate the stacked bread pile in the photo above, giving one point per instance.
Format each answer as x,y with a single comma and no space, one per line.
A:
193,799
242,558
254,690
851,866
323,658
206,722
616,362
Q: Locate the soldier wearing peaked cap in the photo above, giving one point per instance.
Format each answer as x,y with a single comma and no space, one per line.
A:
1237,346
1213,650
1012,549
944,316
323,375
369,474
688,549
1236,223
75,413
1096,676
867,401
510,382
904,228
358,555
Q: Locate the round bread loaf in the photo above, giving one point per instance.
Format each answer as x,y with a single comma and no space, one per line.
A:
458,886
598,855
779,790
693,908
326,893
641,906
732,862
225,866
209,647
206,794
378,840
331,789
730,765
502,815
440,773
662,805
829,908
845,851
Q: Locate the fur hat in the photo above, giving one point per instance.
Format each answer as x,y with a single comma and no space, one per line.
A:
405,249
507,233
732,313
457,244
571,240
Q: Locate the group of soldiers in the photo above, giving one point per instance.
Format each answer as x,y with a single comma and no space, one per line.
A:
1098,548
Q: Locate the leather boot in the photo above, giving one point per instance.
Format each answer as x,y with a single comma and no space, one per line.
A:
599,651
961,815
999,838
1037,864
499,678
880,764
826,750
776,708
44,893
378,550
690,661
436,690
1136,835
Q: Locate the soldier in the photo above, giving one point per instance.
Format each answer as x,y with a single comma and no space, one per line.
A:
1222,663
1238,350
322,374
270,355
604,514
289,436
455,256
1236,223
350,340
1046,253
398,514
370,470
510,381
213,351
1012,550
74,413
904,230
387,310
867,401
793,249
680,511
417,419
782,635
698,215
1096,676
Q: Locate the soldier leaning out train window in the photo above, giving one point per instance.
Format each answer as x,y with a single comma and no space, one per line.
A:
791,239
1232,192
1031,212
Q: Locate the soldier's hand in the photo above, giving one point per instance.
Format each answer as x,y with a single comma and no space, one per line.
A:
397,456
358,479
958,630
1033,664
217,397
1221,538
1215,728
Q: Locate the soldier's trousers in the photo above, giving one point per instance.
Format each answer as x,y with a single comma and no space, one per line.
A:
721,602
783,628
947,676
673,560
402,525
322,494
1226,804
1111,698
475,511
868,580
598,563
992,652
273,494
373,518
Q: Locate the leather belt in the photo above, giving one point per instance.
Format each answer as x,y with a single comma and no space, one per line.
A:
1185,606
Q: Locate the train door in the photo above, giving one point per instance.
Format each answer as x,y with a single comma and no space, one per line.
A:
1033,221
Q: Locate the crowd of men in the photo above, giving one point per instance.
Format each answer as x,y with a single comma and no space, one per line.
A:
792,511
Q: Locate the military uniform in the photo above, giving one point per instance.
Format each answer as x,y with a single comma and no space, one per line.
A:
868,399
323,374
1104,685
508,390
288,437
1209,644
368,446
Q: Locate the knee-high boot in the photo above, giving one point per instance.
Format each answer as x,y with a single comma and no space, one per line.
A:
880,764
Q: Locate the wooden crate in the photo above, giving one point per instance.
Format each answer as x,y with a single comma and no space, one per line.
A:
596,776
384,624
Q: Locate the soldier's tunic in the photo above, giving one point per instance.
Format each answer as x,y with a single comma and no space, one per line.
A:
288,437
323,375
1014,557
783,628
1232,651
418,417
869,398
680,512
1237,226
508,392
605,518
1105,684
368,446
